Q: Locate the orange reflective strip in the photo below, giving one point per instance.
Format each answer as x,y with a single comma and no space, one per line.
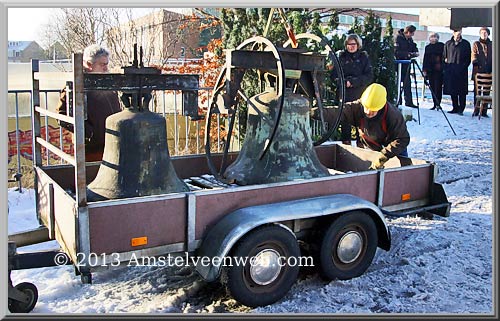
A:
406,197
137,241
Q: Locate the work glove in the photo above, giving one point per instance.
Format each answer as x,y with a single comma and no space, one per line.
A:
379,162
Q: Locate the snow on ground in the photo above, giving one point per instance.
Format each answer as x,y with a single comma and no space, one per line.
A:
443,265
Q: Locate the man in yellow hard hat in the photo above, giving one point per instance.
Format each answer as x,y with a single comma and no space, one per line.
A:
380,125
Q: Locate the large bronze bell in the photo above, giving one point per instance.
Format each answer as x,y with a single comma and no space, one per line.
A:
136,161
291,155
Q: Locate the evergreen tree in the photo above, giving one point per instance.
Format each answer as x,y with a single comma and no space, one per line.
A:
356,27
371,41
387,73
240,24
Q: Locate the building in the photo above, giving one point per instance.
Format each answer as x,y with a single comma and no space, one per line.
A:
164,36
24,51
56,52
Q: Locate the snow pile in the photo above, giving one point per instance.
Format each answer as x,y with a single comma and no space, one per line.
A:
443,265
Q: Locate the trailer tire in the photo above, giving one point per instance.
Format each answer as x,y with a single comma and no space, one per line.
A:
252,284
24,307
348,246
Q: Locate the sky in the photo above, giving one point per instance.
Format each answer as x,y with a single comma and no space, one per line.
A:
19,30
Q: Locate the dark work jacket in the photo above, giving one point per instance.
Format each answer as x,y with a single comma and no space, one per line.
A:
358,70
100,105
457,60
433,58
482,56
390,143
404,49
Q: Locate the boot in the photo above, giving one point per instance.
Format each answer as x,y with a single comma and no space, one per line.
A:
476,112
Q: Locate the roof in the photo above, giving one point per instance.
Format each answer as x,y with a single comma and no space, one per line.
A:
19,45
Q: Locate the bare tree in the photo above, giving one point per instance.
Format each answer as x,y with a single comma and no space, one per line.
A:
162,34
76,28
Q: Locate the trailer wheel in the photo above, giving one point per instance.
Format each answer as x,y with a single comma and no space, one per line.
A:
348,247
24,307
267,275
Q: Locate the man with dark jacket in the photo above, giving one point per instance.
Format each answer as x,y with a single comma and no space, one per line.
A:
381,126
100,104
482,56
406,49
457,58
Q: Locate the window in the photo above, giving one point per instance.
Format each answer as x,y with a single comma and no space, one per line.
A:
345,19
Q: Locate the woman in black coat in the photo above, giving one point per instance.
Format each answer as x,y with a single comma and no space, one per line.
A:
457,58
433,67
358,75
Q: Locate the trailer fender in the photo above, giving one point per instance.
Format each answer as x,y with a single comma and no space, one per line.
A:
219,240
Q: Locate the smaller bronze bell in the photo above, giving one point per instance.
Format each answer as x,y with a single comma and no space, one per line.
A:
136,160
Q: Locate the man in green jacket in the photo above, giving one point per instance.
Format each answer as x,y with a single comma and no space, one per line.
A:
380,125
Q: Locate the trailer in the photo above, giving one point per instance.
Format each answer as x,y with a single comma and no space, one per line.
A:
341,217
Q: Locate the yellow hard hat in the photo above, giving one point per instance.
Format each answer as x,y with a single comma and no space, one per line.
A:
374,97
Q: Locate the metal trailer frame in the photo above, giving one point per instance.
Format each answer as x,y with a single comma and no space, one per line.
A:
180,222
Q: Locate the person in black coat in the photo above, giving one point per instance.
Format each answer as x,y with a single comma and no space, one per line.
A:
405,49
457,58
433,67
358,75
482,61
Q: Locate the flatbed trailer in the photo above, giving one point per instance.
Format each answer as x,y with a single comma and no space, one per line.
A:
342,216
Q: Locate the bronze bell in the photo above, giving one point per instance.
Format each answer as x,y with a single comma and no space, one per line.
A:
291,155
136,161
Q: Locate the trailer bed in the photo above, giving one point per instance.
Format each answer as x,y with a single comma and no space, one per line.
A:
177,222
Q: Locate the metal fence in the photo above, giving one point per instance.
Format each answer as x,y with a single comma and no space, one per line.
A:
189,142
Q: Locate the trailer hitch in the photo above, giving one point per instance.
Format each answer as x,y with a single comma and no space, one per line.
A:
23,296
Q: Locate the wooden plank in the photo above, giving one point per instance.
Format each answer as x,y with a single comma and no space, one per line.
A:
162,222
409,183
57,116
212,206
57,75
70,159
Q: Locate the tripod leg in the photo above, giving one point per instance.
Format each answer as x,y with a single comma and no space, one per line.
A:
426,83
407,85
413,62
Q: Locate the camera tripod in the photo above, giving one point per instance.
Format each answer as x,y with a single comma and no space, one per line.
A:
413,63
